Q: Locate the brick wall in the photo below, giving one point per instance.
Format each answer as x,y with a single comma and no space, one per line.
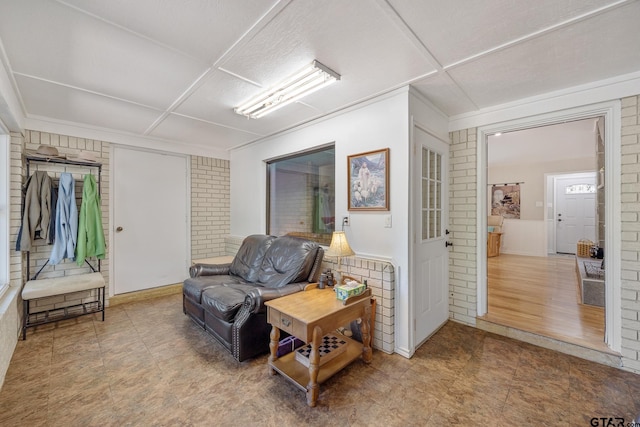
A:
380,277
210,206
463,207
463,259
15,260
630,190
232,245
294,200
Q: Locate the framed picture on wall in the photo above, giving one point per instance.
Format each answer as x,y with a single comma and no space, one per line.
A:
368,181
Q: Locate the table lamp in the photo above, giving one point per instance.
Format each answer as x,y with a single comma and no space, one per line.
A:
339,247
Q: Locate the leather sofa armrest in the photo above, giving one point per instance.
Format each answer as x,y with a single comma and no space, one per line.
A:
197,270
255,298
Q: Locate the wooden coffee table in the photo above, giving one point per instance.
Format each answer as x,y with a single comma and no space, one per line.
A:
310,315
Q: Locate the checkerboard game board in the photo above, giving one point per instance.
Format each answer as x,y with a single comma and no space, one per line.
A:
330,347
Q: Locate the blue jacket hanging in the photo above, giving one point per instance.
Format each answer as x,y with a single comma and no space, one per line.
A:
66,224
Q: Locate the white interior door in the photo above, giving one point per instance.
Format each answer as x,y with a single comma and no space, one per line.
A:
431,256
150,219
575,214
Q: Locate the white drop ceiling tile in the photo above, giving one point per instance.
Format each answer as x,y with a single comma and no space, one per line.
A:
356,39
53,42
203,134
598,48
71,105
219,94
444,95
204,29
457,29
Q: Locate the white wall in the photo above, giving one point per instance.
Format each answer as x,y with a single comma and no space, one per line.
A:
382,123
524,237
374,126
531,177
528,235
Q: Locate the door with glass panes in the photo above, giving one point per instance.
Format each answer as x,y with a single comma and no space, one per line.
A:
431,256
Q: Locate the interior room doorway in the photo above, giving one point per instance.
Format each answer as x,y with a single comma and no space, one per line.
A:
533,284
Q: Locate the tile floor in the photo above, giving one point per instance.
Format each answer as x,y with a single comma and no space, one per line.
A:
149,365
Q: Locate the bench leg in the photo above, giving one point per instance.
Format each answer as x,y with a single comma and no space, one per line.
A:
25,318
102,302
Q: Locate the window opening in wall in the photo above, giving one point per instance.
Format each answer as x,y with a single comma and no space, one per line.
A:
580,189
301,195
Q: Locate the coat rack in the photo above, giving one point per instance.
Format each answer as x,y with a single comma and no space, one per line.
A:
36,159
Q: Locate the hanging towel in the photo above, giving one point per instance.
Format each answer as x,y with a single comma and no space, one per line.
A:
66,224
90,234
36,211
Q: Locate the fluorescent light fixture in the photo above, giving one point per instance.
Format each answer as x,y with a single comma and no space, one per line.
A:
313,77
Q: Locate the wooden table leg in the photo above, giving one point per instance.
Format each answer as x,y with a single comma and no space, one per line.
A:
313,389
273,346
365,328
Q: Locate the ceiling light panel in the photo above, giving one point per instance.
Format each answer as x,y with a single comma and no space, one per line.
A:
313,77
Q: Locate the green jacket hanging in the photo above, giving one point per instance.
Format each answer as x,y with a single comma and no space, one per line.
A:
90,232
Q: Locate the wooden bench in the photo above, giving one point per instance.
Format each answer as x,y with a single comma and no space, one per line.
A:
44,288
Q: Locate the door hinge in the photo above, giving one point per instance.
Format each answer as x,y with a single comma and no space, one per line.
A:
415,325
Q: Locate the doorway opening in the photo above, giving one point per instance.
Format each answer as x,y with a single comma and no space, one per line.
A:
534,283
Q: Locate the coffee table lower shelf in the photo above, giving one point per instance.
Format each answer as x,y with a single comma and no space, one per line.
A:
298,374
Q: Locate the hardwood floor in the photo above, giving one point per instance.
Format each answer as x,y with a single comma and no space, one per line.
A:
541,295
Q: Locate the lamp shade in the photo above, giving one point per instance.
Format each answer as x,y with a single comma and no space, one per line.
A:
339,245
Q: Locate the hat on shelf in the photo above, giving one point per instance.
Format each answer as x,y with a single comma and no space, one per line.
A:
85,156
47,152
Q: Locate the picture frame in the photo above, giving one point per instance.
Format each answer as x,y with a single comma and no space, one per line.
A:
368,181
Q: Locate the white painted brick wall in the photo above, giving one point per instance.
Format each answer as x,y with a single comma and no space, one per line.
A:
210,206
462,224
630,262
380,277
15,260
294,200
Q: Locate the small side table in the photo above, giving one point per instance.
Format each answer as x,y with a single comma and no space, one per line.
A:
493,244
310,315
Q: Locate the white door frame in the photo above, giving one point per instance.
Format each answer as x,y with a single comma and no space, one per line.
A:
611,111
112,225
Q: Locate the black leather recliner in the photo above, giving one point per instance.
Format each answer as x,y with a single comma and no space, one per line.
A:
227,300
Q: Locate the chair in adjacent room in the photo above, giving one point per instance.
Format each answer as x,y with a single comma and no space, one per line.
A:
494,234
